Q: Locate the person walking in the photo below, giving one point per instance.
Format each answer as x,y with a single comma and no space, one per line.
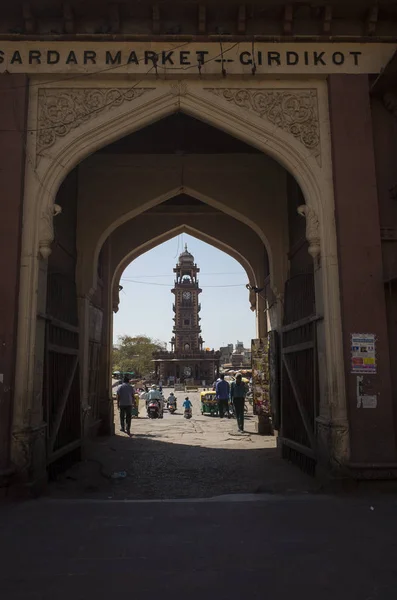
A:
125,402
222,389
238,392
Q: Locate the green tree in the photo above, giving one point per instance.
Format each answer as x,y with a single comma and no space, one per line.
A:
135,354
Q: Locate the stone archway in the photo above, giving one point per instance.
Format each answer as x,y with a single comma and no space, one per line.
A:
301,145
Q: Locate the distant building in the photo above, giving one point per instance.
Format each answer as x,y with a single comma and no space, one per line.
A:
225,354
238,356
235,357
247,356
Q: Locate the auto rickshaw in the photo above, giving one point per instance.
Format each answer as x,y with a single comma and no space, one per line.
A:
209,403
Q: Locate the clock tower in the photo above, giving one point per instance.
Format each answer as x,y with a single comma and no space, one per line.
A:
187,362
187,330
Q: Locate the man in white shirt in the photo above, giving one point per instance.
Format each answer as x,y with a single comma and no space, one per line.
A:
155,394
125,402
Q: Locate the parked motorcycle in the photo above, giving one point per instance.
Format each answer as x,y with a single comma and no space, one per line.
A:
153,410
188,413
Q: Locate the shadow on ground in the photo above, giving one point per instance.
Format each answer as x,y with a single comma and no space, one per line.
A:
164,470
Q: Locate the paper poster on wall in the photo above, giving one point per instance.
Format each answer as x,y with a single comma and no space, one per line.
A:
365,399
363,353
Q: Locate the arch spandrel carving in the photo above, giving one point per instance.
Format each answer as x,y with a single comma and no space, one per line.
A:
60,110
295,111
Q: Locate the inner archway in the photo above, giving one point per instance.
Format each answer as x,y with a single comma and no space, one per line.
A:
203,456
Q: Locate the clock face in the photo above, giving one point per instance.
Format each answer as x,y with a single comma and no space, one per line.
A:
187,295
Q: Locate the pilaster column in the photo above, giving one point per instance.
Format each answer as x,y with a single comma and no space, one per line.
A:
360,269
14,90
83,305
29,429
331,422
105,391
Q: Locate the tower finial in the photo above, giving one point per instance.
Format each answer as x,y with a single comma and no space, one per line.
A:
185,247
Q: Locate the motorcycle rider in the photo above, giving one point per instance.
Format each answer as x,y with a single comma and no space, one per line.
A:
171,400
156,395
187,405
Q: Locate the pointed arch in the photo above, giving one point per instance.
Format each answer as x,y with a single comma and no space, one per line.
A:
160,239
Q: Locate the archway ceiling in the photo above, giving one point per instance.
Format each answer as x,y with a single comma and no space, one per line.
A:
179,134
182,201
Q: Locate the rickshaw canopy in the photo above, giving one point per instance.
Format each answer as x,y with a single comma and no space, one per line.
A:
208,395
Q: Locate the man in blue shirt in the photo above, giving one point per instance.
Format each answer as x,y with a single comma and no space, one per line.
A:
222,395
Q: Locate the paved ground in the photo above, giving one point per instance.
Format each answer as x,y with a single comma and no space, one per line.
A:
177,527
279,547
178,458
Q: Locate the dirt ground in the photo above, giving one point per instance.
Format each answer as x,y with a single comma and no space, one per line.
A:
178,458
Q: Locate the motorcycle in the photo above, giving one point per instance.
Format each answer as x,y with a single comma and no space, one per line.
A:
171,407
153,410
188,413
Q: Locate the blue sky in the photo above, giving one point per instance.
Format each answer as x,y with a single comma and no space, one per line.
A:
146,306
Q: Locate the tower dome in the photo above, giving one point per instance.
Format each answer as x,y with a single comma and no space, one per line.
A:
185,257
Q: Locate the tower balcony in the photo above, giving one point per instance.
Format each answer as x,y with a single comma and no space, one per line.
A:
191,355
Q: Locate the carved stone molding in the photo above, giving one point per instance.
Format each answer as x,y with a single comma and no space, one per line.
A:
61,110
278,296
25,441
312,229
179,88
293,111
47,229
252,300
